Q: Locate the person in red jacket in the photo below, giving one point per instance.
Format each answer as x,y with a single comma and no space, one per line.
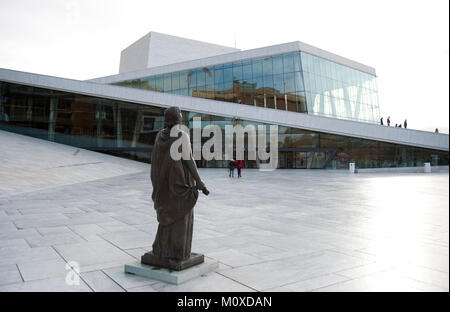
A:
239,164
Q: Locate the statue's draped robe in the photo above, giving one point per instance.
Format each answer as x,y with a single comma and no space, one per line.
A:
174,195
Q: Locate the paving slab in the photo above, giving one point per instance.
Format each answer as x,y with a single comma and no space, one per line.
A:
98,281
311,284
56,284
129,239
9,274
93,255
285,230
35,270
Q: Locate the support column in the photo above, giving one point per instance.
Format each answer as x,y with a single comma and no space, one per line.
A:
118,123
137,128
99,118
52,118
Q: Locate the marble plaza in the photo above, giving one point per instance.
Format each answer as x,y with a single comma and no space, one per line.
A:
286,230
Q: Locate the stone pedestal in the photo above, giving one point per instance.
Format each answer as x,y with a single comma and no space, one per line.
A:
170,276
149,259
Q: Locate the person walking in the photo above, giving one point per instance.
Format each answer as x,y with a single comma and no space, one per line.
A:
389,121
405,124
381,121
239,165
231,168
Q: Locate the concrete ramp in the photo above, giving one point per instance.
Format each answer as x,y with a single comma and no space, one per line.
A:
29,164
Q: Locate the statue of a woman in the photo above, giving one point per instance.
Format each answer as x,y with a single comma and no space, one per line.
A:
175,192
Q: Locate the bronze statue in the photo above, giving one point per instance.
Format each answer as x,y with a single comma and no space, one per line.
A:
175,192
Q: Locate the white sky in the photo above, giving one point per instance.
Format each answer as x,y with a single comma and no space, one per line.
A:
407,42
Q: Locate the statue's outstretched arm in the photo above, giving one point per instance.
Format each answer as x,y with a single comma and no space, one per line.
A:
190,163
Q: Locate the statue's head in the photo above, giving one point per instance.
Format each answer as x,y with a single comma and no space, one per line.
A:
172,117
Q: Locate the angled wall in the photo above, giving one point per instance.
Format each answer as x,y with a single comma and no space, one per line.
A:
155,49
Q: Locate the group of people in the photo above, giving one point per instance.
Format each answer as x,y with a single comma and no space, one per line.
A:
388,121
238,164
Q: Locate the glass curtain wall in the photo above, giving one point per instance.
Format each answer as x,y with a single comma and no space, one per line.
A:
129,130
116,127
338,91
297,82
273,82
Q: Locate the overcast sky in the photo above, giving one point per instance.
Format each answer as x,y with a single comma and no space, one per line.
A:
407,42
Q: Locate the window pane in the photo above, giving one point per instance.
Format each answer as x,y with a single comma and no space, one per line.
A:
175,81
200,77
289,82
183,80
278,64
270,103
237,71
268,83
258,83
267,66
288,63
144,84
280,101
192,80
218,74
257,68
297,63
167,82
227,73
159,83
278,83
247,71
209,75
291,102
299,86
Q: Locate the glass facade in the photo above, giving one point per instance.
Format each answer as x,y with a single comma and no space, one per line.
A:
272,82
338,91
296,82
129,130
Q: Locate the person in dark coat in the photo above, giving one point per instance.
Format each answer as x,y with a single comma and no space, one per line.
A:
239,164
381,121
389,121
405,123
231,168
175,192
